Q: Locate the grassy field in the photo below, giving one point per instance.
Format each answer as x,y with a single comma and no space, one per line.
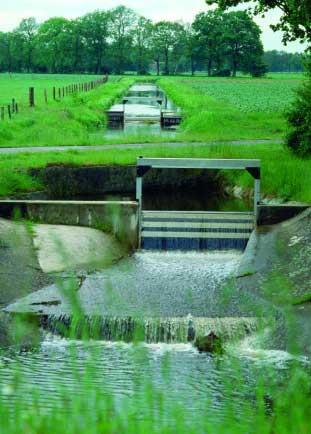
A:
17,85
67,122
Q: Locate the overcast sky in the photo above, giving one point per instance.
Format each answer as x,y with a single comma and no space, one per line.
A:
12,11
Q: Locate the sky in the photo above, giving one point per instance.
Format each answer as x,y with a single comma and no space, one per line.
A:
13,11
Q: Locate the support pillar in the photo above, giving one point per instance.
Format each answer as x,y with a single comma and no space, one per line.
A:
256,197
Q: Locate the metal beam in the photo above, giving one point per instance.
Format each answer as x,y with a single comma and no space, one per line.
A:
198,163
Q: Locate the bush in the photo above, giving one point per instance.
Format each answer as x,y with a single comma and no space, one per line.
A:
299,118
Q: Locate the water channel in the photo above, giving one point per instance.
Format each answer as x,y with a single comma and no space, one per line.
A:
151,284
142,107
173,286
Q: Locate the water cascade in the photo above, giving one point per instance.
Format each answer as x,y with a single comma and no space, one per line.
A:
150,330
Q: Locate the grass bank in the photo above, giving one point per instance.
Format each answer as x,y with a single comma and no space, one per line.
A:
284,175
70,121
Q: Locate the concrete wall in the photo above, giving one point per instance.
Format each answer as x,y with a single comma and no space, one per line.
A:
119,218
273,214
72,182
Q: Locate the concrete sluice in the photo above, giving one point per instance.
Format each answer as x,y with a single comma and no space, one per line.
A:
144,108
149,330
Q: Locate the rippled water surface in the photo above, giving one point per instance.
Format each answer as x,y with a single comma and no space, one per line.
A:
199,383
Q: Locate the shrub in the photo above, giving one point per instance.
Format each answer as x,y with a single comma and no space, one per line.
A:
299,118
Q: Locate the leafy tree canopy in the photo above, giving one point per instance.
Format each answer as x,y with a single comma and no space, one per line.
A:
295,22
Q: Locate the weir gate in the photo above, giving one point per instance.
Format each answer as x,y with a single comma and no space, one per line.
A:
179,230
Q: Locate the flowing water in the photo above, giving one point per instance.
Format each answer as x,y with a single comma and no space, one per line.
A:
199,384
169,290
142,111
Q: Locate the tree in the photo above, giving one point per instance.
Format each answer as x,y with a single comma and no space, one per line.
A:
142,40
241,38
190,49
55,41
27,30
94,28
295,22
209,30
123,21
280,61
299,118
166,38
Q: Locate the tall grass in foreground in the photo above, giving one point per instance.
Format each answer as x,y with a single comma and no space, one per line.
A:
273,403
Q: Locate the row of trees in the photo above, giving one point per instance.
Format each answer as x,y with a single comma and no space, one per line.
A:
118,40
281,61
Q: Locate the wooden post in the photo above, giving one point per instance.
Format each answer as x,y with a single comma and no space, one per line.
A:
63,92
32,96
59,93
9,112
13,105
16,108
2,113
54,93
45,96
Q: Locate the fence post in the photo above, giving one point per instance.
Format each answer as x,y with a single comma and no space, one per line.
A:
32,96
13,105
2,113
16,108
45,96
63,92
9,112
54,93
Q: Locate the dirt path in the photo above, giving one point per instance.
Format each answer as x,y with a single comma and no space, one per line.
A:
43,149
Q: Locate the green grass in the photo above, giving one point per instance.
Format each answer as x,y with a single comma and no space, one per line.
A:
283,174
213,109
17,86
67,122
231,109
273,402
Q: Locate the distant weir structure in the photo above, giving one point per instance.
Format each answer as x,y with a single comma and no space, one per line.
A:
204,230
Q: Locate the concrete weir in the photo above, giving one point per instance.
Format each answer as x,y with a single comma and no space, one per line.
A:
118,218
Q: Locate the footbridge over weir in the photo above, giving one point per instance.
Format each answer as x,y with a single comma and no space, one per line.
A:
178,230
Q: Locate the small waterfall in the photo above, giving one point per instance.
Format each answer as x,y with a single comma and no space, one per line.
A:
150,330
173,230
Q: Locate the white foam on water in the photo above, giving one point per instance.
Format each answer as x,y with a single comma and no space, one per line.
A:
251,349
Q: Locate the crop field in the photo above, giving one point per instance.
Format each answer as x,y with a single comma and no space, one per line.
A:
261,95
232,109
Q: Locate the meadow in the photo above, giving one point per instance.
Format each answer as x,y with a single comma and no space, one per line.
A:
17,85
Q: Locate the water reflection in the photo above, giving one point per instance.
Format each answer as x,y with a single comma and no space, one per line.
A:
142,107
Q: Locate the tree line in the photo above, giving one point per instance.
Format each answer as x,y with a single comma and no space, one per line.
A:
281,61
119,40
